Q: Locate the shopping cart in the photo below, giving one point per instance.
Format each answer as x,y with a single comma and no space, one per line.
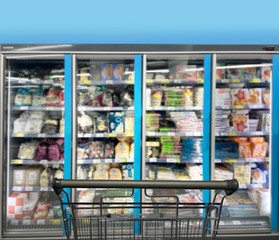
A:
168,218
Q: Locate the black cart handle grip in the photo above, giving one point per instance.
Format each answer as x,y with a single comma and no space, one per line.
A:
230,186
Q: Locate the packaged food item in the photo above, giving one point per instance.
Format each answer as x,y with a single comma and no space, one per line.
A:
148,97
53,97
29,208
259,174
259,149
55,211
109,150
85,123
256,139
107,99
38,97
152,149
255,96
59,174
126,98
101,174
239,97
20,125
122,149
42,208
41,152
250,73
186,72
118,72
200,72
53,152
115,174
241,123
23,97
50,126
240,139
116,122
266,73
165,173
62,98
62,125
16,202
33,176
245,149
156,97
85,197
266,96
242,173
101,123
33,126
19,176
266,122
223,97
106,72
226,150
127,171
96,149
27,150
189,97
150,172
131,154
91,173
220,74
84,76
129,125
234,73
45,177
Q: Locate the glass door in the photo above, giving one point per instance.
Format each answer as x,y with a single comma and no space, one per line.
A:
105,124
242,147
34,143
173,122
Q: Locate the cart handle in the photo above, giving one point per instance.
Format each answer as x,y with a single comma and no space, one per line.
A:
229,186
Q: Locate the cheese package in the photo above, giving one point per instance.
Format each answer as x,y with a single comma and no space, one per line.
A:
255,96
239,97
115,174
242,173
19,176
33,176
245,149
241,123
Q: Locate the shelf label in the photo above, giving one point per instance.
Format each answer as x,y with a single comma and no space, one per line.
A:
109,82
239,107
99,135
41,221
123,160
97,160
55,166
17,161
107,108
17,188
85,82
231,160
171,160
236,222
152,159
165,81
171,134
224,80
130,82
44,189
29,189
14,222
129,134
18,135
151,134
235,80
112,135
231,133
26,222
201,81
149,81
255,80
41,135
43,162
87,135
55,221
118,160
177,81
108,160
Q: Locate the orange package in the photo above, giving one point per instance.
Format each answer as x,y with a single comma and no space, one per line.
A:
240,139
245,149
259,149
256,139
241,123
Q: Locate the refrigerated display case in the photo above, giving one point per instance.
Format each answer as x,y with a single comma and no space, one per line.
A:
242,123
34,143
176,112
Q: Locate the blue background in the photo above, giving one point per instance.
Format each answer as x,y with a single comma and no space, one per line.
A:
140,22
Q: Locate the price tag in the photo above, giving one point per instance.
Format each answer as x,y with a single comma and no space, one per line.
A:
29,189
17,161
26,222
231,160
87,135
48,81
130,82
171,134
44,189
267,159
109,82
222,223
151,134
17,188
44,162
14,222
232,133
235,80
129,134
224,80
97,160
41,135
112,134
107,108
130,160
201,81
123,160
171,160
19,135
149,81
152,159
118,160
21,81
108,160
239,107
236,222
187,134
85,82
40,221
242,186
55,221
177,81
100,135
165,81
255,80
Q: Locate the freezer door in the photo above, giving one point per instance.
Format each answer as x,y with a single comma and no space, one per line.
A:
33,143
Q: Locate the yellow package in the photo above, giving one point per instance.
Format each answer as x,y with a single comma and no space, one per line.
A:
242,173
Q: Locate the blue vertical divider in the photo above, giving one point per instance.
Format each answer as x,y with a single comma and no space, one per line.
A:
68,121
206,124
275,146
137,131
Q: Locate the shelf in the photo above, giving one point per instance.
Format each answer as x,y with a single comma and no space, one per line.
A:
242,160
175,81
173,160
253,186
243,134
34,108
32,189
36,222
164,108
106,160
31,162
15,80
101,109
174,134
239,107
256,80
101,189
38,135
107,82
102,135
